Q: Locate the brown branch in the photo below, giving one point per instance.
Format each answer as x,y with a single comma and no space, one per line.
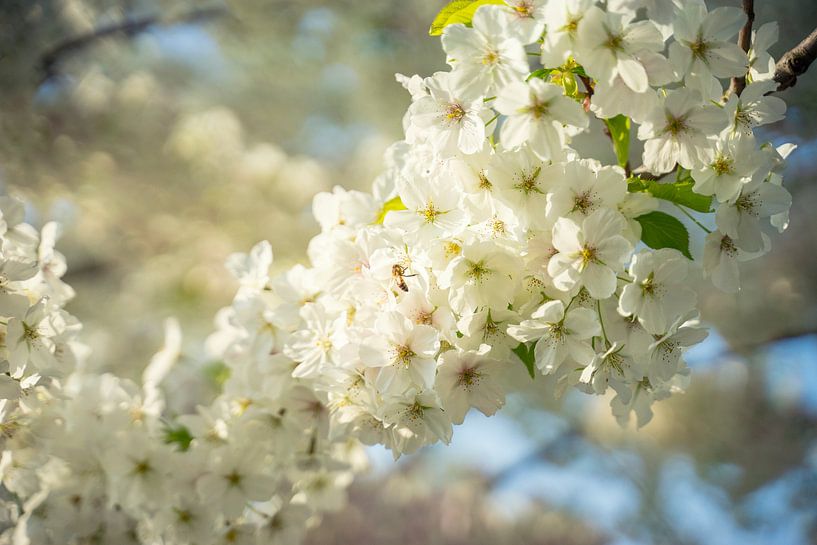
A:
795,62
128,28
744,42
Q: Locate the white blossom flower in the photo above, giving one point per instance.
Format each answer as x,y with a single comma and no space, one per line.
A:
590,254
704,45
608,44
485,57
484,275
754,108
450,116
469,379
432,211
402,352
740,219
583,190
563,19
666,351
417,420
561,334
525,19
536,112
761,63
679,131
235,477
657,295
721,261
734,161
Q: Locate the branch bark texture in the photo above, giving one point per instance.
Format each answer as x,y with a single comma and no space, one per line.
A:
795,62
744,42
128,28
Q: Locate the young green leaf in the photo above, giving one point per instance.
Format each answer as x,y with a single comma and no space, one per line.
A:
679,192
458,11
179,436
541,73
389,206
526,355
660,230
619,127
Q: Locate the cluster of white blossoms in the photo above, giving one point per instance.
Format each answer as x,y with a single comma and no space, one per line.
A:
499,236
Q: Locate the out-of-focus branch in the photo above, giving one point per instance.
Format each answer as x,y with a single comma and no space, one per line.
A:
744,42
795,62
128,28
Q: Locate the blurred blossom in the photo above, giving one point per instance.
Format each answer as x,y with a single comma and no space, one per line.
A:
165,151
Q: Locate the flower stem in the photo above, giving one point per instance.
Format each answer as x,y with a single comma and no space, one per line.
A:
601,321
690,216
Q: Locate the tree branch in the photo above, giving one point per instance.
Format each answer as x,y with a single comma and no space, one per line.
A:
744,42
795,62
128,28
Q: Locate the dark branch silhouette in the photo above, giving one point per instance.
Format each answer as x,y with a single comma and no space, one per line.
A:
795,62
744,42
128,28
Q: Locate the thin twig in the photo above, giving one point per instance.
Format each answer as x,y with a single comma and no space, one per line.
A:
127,28
795,62
744,42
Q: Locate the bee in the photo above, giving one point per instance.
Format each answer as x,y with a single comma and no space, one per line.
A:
398,273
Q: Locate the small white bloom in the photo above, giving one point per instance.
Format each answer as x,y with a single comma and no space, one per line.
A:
485,57
679,131
536,113
608,45
740,219
484,275
561,334
450,117
658,294
704,45
734,161
590,254
469,379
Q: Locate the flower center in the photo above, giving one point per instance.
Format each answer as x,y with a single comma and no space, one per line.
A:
477,271
491,57
527,183
325,344
423,317
538,109
676,125
588,255
233,478
429,213
30,333
524,9
748,204
728,246
468,377
723,165
484,183
452,249
454,112
615,42
583,202
402,355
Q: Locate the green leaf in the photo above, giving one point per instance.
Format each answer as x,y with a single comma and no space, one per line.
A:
660,230
458,11
217,372
679,192
390,206
526,355
179,436
541,73
619,127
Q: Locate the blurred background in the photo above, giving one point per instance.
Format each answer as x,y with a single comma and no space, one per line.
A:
167,134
